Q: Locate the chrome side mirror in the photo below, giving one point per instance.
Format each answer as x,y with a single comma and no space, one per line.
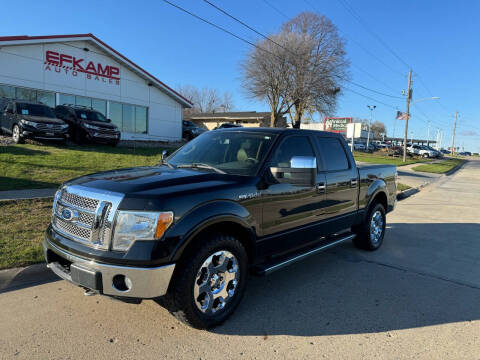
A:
303,162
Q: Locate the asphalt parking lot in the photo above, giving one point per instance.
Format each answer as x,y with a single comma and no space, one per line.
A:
417,297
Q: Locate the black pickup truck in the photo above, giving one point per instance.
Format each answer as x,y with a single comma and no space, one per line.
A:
227,203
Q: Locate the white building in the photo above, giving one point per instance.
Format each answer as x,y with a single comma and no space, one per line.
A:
81,69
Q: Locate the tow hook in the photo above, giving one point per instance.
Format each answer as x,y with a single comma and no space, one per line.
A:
90,292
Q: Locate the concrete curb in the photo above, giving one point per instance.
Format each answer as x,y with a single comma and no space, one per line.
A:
19,278
456,168
407,193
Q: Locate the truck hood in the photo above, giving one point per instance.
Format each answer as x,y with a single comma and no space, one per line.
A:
148,182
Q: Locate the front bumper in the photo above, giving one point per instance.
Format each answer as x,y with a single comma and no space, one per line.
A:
145,283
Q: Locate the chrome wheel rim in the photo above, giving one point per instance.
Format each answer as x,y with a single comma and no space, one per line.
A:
376,227
16,133
216,282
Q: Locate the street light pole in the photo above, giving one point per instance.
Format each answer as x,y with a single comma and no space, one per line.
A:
428,133
409,97
453,135
370,122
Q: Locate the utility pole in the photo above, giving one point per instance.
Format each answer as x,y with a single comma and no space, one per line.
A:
453,136
409,97
370,122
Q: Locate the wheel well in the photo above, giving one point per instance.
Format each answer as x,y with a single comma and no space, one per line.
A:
231,228
381,198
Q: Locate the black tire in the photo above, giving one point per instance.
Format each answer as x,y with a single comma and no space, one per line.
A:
180,299
364,240
77,137
17,139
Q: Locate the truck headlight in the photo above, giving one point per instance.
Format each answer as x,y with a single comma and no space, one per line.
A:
131,226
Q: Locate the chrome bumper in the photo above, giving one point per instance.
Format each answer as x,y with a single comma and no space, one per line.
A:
146,283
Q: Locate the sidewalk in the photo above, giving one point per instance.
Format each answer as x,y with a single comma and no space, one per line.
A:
27,194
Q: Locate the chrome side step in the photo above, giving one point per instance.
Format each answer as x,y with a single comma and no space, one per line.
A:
304,255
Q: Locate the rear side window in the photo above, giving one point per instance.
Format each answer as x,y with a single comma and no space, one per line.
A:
290,147
333,153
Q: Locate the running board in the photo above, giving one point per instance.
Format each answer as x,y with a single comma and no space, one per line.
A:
292,260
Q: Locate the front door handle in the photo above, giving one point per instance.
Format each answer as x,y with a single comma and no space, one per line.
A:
321,187
353,182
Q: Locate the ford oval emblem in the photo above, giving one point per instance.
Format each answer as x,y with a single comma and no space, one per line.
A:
67,214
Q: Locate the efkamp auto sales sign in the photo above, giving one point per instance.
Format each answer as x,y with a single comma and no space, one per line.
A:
71,65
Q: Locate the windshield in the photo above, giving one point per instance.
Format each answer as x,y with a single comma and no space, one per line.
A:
90,115
234,152
34,110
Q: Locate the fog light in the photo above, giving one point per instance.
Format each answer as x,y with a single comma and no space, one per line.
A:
121,283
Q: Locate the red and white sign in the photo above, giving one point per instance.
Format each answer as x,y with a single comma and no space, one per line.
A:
72,65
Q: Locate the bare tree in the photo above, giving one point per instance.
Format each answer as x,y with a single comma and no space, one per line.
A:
206,99
378,129
299,70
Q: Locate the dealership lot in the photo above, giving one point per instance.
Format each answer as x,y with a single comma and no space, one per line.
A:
417,297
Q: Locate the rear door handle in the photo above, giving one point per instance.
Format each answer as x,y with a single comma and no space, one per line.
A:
353,182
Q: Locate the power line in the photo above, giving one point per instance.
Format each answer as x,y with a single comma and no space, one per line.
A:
276,9
350,9
216,26
370,98
293,53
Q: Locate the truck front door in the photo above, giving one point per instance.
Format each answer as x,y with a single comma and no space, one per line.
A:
290,210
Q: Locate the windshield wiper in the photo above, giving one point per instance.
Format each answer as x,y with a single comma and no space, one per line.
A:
201,166
165,162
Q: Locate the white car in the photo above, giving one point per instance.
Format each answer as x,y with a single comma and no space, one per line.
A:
422,150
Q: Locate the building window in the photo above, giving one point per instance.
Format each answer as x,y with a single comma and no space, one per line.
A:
100,106
46,97
7,91
128,118
140,119
66,99
26,94
116,114
83,101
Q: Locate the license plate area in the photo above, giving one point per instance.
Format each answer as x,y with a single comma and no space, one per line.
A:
86,277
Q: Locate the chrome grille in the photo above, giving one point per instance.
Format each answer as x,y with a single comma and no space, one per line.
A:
90,216
73,229
79,201
49,127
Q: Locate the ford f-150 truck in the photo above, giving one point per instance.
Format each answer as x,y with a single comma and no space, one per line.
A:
229,203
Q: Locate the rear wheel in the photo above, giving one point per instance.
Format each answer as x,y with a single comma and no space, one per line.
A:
209,282
425,155
371,232
17,139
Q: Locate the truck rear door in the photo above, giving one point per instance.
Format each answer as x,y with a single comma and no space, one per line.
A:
341,183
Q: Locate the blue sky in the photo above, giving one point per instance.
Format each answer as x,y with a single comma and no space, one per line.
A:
438,39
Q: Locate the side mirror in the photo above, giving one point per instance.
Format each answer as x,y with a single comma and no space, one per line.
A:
302,171
164,154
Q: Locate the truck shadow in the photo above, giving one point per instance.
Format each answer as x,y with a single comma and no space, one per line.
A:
406,284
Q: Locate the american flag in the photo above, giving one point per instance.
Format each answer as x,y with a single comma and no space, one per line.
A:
402,115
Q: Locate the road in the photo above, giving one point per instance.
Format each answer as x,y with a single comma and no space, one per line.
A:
417,297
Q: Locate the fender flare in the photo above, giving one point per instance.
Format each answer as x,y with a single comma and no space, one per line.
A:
209,214
375,188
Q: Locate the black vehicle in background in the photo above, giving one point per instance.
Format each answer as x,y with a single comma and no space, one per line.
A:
190,130
227,126
88,125
28,120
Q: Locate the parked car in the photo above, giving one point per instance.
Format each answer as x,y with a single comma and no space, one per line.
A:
443,151
191,228
422,150
190,130
465,153
28,120
358,146
227,126
88,125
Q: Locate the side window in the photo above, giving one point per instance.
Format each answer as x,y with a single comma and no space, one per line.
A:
333,153
290,147
9,108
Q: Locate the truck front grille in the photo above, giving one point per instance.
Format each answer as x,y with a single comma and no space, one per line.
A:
85,215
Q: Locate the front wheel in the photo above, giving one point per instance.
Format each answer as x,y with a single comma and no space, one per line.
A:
17,139
371,232
209,282
425,156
